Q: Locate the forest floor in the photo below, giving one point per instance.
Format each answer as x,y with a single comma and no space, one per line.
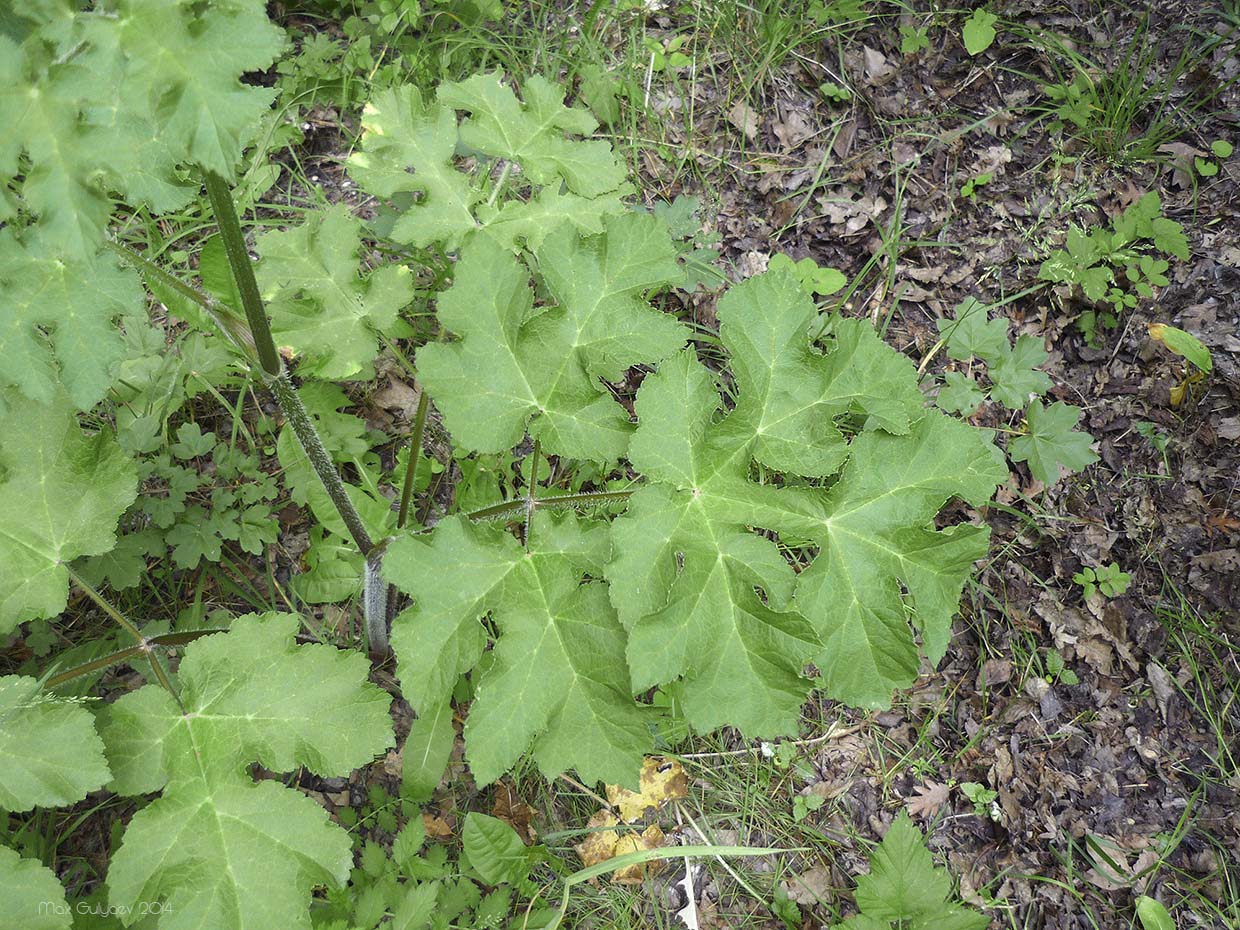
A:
1122,777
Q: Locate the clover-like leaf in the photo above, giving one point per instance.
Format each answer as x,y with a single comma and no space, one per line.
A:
707,600
319,305
1053,441
52,754
61,493
218,849
557,686
514,366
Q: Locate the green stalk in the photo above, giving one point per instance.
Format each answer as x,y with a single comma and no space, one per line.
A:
320,460
415,452
141,643
406,493
243,272
373,597
164,639
576,501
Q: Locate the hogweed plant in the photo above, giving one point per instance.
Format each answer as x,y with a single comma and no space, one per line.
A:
767,518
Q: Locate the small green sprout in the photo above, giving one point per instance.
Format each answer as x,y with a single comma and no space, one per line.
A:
1107,580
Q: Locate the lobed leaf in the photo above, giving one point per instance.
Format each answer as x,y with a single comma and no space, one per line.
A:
61,493
514,367
557,685
688,567
217,849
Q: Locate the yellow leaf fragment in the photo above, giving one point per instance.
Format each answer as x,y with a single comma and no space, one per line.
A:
604,844
662,780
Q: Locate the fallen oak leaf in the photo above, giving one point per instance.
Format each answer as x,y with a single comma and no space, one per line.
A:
930,797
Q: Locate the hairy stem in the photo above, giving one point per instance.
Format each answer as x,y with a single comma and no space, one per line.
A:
141,643
559,501
320,460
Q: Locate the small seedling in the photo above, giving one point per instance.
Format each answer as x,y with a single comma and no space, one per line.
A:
1208,169
913,39
813,278
834,92
1153,435
979,31
1107,580
805,804
1057,670
985,800
969,189
667,55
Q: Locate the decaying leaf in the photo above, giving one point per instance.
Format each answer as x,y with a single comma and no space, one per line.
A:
662,780
929,798
604,844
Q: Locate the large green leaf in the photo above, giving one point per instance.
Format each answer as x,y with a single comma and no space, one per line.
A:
319,305
556,684
408,147
708,600
30,896
52,755
515,366
532,132
61,493
57,325
217,849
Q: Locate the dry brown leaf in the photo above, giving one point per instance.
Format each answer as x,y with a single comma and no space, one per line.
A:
930,797
436,827
745,118
509,808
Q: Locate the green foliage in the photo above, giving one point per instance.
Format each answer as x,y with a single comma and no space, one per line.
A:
61,492
495,381
556,685
982,798
1107,580
495,851
250,695
30,895
978,31
815,281
905,888
52,755
319,306
913,39
1051,441
407,151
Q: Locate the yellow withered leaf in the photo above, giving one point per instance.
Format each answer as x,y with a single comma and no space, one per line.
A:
662,780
